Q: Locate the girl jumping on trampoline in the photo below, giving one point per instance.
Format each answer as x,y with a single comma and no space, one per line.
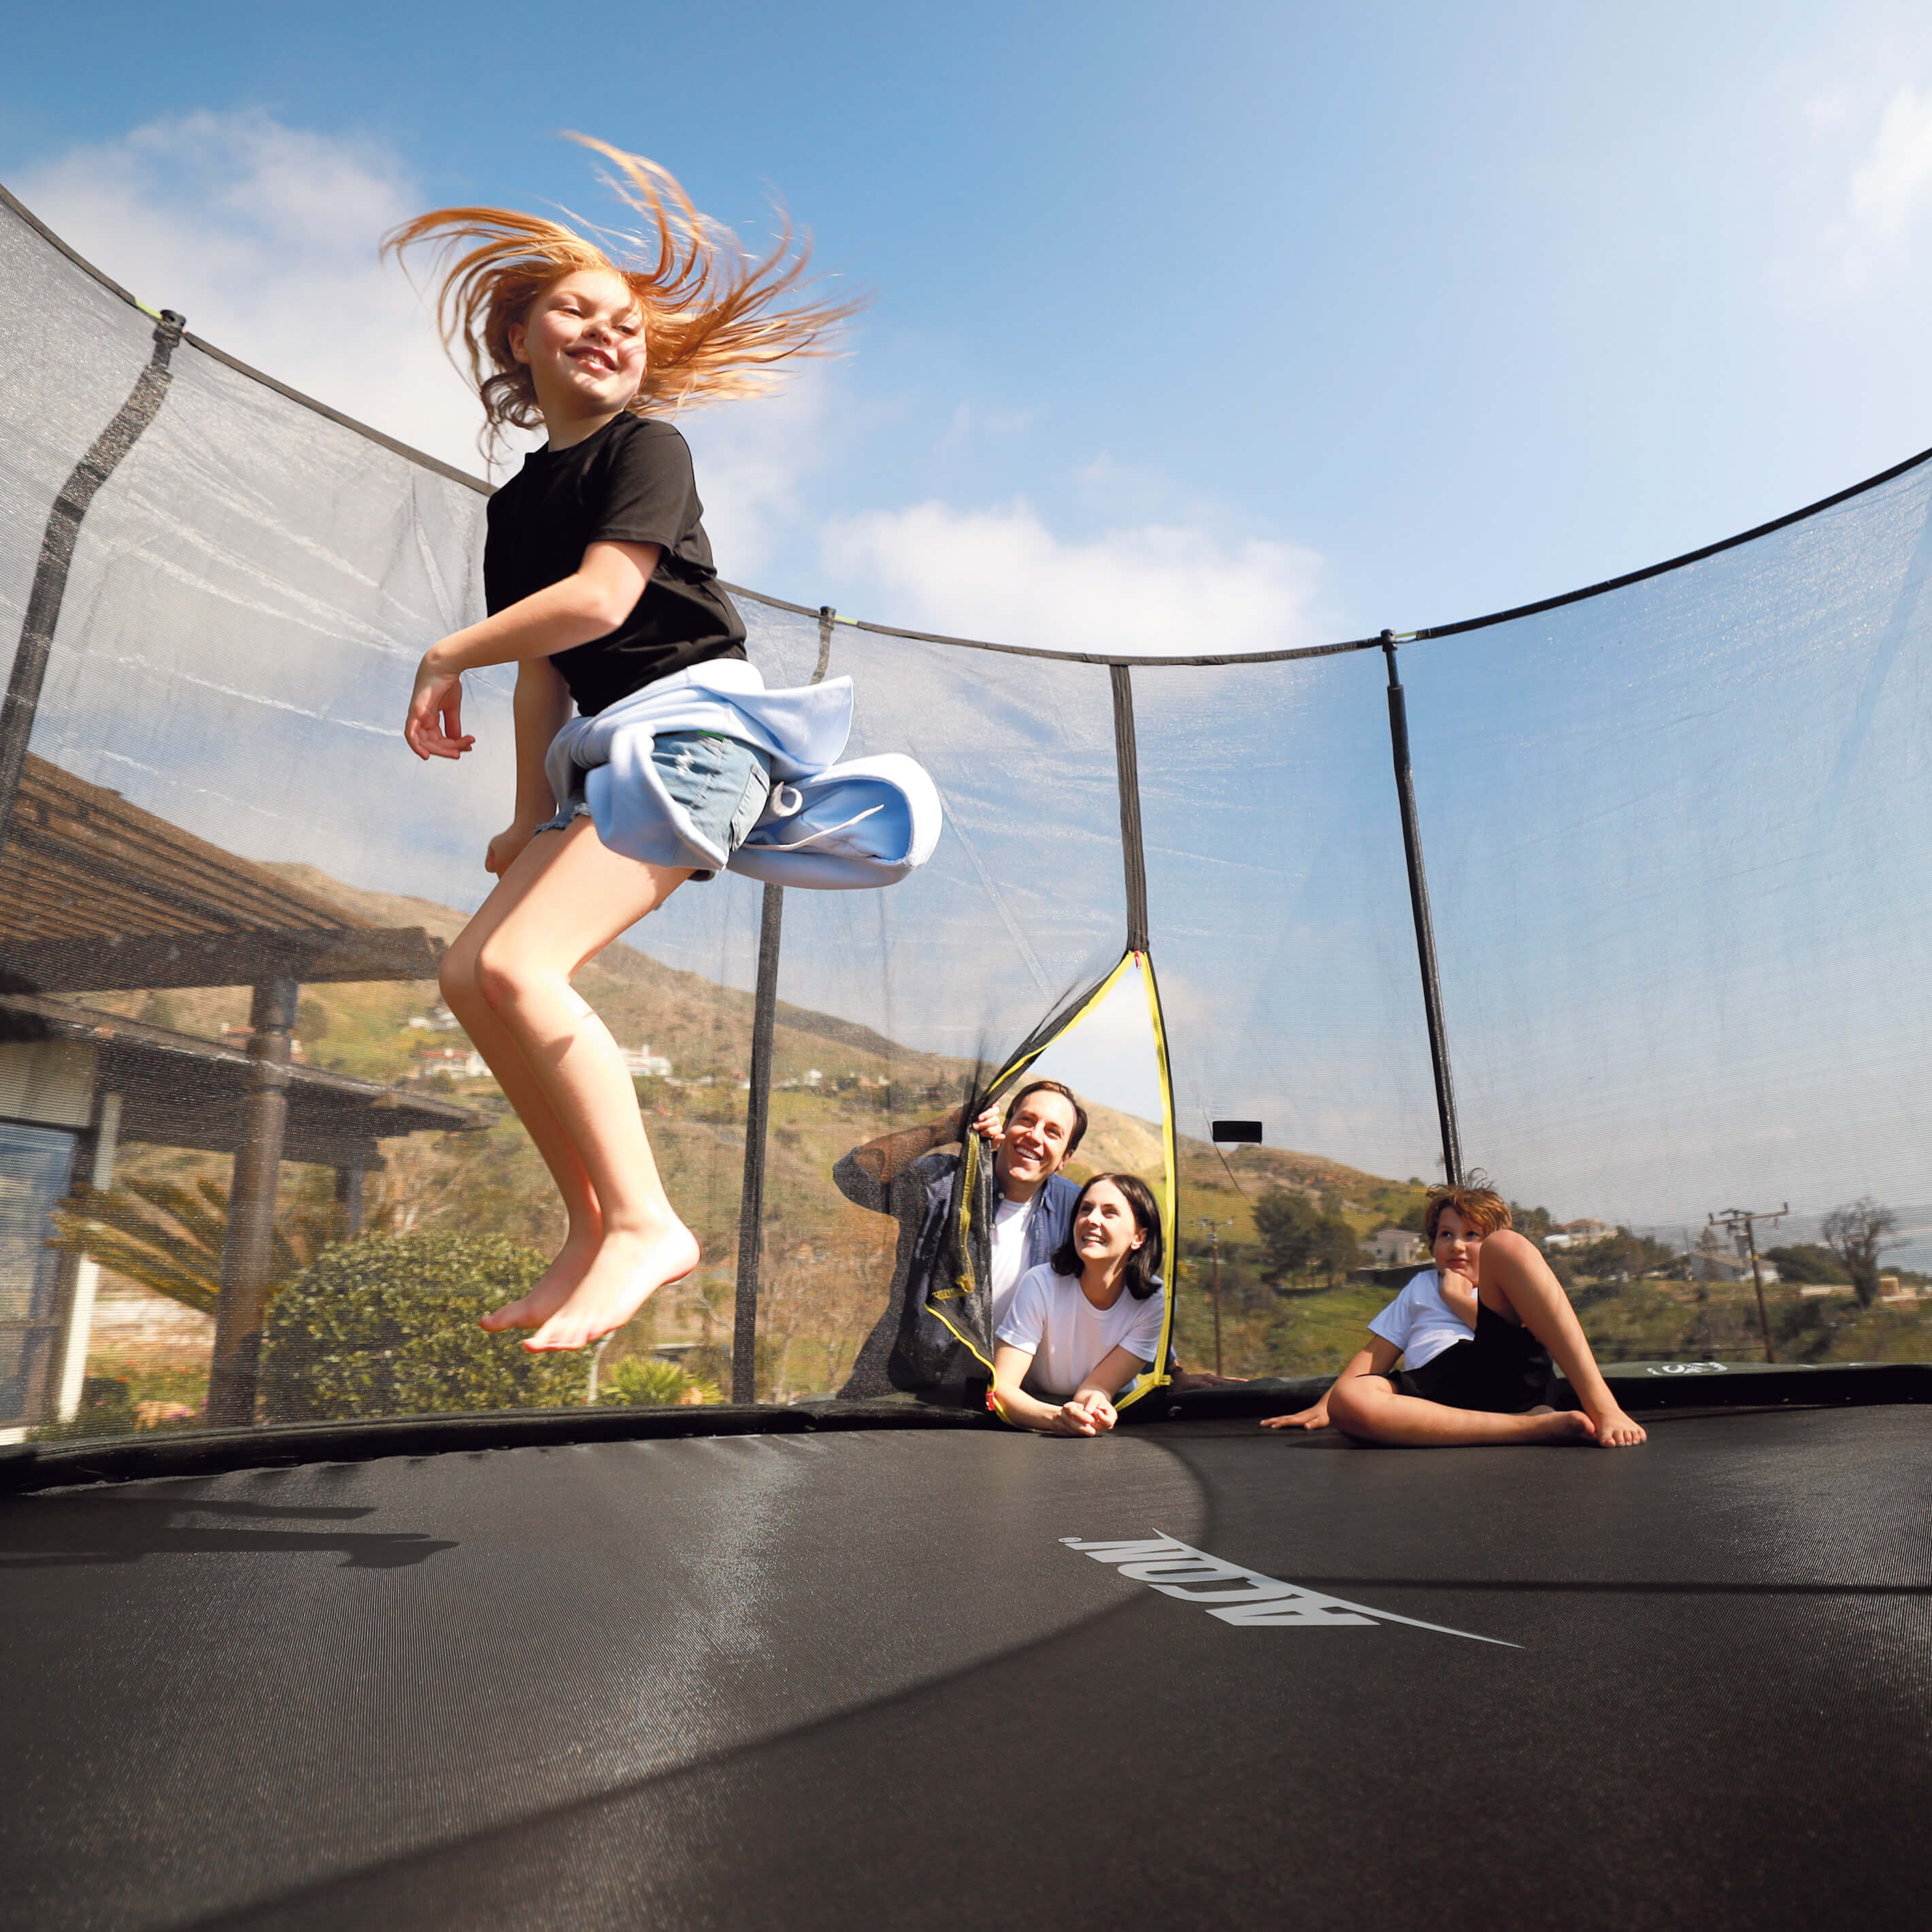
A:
1496,1384
600,587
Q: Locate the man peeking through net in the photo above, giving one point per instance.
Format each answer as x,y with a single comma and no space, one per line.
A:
910,1176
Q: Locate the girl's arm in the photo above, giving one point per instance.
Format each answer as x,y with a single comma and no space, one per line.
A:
1010,1364
541,704
589,604
1377,1359
1458,1296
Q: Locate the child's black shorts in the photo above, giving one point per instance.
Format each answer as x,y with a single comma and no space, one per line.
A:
1502,1368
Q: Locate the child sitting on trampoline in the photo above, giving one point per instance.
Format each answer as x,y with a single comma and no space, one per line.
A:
599,579
1083,1325
1497,1384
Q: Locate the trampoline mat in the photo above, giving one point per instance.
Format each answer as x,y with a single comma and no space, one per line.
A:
860,1678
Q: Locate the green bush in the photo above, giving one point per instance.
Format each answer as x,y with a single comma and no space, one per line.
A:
387,1326
642,1381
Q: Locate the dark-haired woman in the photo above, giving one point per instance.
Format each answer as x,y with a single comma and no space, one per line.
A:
1081,1326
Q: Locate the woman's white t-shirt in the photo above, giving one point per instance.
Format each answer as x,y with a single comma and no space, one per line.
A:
1068,1336
1419,1321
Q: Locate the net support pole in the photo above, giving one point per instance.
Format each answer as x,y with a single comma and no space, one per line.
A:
1127,766
1425,929
58,540
757,1115
758,1108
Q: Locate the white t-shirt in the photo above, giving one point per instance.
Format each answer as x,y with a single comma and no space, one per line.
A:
1068,1336
1419,1321
1008,1243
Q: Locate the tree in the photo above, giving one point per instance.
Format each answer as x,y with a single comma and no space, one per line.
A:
168,1237
387,1326
1622,1256
1531,1222
1335,1249
1286,1223
1855,1233
1297,1237
1806,1261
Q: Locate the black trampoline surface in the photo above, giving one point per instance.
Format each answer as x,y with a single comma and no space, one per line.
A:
860,1679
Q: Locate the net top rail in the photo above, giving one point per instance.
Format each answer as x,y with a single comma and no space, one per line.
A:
1202,660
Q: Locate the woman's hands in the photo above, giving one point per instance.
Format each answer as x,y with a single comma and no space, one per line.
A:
1089,1413
432,728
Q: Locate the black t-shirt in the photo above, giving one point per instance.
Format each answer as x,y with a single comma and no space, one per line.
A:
630,482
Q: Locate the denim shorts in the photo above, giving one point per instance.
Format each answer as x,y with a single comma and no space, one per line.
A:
722,782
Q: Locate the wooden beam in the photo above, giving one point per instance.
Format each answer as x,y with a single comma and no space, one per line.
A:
253,956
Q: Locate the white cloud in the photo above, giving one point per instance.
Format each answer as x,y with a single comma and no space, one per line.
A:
753,460
266,237
1001,573
1891,187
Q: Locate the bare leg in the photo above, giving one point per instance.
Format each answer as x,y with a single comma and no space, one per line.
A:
575,897
1367,1408
504,1056
1516,1281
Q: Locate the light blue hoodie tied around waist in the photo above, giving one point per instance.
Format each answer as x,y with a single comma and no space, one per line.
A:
827,826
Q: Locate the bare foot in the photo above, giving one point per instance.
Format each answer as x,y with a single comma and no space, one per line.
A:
629,1270
554,1287
1560,1425
1615,1430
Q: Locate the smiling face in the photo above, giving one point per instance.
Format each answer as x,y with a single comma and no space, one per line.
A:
583,343
1457,1247
1038,1131
1105,1230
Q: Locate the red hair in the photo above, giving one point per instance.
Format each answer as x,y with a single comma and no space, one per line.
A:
713,326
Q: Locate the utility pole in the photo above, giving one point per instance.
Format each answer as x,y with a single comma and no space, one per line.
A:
1732,1219
1214,1276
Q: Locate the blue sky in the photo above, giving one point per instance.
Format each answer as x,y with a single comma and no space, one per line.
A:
1280,324
1313,319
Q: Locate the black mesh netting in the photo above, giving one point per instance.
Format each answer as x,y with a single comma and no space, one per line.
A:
1676,835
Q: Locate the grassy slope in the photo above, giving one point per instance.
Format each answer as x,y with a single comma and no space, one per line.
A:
827,1263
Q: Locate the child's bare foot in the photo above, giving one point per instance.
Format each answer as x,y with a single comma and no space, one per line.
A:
629,1270
1560,1425
1615,1430
554,1287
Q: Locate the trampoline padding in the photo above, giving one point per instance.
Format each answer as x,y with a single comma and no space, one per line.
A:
860,1679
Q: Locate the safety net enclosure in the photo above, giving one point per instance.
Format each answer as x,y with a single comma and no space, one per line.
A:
1675,833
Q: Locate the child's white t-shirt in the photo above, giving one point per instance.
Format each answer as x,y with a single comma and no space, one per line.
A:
1068,1336
1419,1321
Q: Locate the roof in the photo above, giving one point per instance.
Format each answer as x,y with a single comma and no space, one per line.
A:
99,894
178,1091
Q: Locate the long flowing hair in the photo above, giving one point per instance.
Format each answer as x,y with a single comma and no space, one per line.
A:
716,318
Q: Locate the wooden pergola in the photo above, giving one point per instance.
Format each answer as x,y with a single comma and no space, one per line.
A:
99,895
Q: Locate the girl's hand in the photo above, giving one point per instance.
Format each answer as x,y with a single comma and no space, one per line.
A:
1098,1409
1316,1417
433,728
504,847
1070,1419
